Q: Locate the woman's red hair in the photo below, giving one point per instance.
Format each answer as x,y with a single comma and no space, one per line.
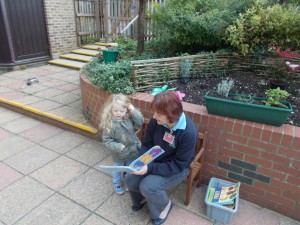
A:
167,103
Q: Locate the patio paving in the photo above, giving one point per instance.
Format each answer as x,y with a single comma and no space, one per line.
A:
49,175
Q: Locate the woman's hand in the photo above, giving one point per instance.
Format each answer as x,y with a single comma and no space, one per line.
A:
142,171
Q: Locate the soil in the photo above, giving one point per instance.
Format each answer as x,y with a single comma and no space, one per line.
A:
244,83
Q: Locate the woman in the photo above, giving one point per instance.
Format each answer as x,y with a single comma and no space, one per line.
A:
175,132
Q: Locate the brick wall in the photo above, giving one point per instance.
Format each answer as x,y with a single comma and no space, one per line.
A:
266,159
60,19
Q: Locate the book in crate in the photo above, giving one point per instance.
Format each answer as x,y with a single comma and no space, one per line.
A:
224,195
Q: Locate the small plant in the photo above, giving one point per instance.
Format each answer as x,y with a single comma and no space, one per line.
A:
244,98
185,70
224,87
275,96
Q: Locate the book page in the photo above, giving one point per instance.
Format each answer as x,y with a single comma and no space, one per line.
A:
138,163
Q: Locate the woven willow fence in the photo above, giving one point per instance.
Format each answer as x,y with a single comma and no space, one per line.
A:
148,74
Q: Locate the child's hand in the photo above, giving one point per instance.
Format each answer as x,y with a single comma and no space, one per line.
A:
130,108
122,147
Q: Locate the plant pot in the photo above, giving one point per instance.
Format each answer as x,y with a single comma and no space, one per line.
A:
247,111
110,56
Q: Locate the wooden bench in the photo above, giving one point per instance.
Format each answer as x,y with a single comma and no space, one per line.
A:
194,178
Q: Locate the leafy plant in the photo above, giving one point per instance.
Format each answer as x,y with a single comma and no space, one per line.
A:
275,96
262,25
200,23
114,77
244,98
224,87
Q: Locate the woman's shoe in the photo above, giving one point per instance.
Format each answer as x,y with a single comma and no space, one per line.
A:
159,221
136,208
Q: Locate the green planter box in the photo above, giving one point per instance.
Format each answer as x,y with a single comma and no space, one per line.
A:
247,111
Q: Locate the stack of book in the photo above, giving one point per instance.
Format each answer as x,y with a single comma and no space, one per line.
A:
224,196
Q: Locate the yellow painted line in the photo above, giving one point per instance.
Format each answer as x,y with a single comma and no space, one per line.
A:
49,115
75,58
85,53
106,44
67,65
96,48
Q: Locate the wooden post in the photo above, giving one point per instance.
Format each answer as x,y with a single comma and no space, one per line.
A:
106,4
141,27
97,19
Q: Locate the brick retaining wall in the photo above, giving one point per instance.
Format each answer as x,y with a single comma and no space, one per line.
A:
266,159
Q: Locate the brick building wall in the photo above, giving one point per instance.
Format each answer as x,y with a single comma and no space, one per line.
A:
266,159
60,19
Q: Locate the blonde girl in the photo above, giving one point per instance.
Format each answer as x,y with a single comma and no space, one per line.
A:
119,121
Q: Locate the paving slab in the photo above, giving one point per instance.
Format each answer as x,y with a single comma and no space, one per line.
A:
31,159
8,176
57,210
20,198
59,172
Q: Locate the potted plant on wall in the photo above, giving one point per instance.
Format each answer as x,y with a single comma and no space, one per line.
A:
272,110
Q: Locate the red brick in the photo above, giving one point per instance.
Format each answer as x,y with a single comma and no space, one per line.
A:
275,158
257,130
236,138
285,186
271,173
288,152
258,161
276,138
215,171
281,200
291,195
295,163
267,187
245,149
286,140
296,142
220,123
294,180
204,120
248,127
253,189
238,127
229,122
212,121
267,133
286,169
230,153
197,118
262,145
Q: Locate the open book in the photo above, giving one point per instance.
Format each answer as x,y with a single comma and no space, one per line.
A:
223,195
138,163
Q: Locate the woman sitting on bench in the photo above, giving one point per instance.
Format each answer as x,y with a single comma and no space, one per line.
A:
175,132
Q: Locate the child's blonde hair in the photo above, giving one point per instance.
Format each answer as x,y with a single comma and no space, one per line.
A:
106,116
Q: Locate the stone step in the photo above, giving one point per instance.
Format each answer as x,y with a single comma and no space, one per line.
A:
88,52
67,63
77,57
94,47
106,44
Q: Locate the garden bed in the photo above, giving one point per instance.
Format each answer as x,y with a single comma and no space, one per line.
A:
245,83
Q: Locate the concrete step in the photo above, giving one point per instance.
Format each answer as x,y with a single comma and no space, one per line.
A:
67,63
94,47
77,57
88,52
106,44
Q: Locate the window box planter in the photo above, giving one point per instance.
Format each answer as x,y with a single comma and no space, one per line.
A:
247,111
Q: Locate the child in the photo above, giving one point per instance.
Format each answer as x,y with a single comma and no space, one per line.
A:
119,121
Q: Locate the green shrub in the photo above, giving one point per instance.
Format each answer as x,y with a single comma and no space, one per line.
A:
263,25
114,77
201,23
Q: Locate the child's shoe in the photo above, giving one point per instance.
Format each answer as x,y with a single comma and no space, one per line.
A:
118,189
